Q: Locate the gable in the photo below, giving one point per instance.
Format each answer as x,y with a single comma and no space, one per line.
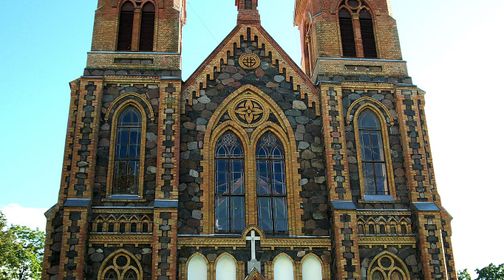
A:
251,39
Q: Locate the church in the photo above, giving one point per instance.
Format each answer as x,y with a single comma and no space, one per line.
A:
253,167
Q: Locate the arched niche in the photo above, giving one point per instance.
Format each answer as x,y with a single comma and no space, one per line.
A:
197,268
311,268
225,268
283,268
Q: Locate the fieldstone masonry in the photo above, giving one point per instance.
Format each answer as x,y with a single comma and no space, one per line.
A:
313,107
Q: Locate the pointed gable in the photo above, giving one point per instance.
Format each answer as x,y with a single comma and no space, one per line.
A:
246,37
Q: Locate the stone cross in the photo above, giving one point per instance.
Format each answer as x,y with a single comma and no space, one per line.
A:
253,263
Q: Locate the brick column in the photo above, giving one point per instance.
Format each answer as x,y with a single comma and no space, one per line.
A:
77,199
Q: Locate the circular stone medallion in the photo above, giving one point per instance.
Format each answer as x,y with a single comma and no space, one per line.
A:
248,112
249,61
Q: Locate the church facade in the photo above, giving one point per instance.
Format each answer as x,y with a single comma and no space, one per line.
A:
253,167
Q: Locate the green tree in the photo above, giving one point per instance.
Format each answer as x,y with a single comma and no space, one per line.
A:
464,275
21,252
491,272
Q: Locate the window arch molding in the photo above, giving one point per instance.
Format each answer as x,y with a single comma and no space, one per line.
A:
110,263
355,110
396,265
115,110
285,134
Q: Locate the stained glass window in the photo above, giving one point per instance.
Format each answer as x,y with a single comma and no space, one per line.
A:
372,154
229,185
127,152
271,185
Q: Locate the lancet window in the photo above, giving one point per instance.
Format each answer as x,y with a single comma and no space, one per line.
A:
271,185
373,161
127,152
229,185
136,34
357,30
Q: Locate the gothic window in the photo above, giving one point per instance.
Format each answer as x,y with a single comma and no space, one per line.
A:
271,185
229,185
120,266
387,267
357,30
125,34
347,33
197,268
226,268
283,268
373,163
127,152
311,268
147,28
367,33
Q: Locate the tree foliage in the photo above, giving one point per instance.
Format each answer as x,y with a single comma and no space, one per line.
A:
21,251
464,275
491,272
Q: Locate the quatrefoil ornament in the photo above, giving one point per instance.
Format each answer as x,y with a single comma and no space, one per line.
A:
249,112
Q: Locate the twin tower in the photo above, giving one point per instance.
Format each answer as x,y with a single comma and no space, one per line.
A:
253,167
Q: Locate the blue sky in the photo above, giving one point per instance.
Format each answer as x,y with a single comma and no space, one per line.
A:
454,52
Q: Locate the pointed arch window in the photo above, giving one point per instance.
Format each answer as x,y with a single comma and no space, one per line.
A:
225,268
271,185
197,268
147,27
357,30
127,152
311,268
283,268
367,33
374,167
386,266
120,266
229,185
347,33
125,34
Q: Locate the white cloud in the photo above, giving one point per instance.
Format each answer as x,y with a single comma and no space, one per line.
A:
25,216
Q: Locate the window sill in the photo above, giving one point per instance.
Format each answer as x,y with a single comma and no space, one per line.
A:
124,198
378,198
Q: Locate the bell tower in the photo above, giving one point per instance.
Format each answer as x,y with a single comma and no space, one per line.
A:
146,30
343,30
119,189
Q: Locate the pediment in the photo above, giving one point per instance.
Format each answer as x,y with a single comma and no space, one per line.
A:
255,275
246,37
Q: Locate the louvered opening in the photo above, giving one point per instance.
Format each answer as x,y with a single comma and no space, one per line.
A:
248,4
367,33
147,28
125,27
347,33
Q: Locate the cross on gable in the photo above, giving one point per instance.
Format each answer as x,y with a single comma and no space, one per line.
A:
253,238
253,264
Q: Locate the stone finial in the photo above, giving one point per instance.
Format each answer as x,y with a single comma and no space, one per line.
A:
247,12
